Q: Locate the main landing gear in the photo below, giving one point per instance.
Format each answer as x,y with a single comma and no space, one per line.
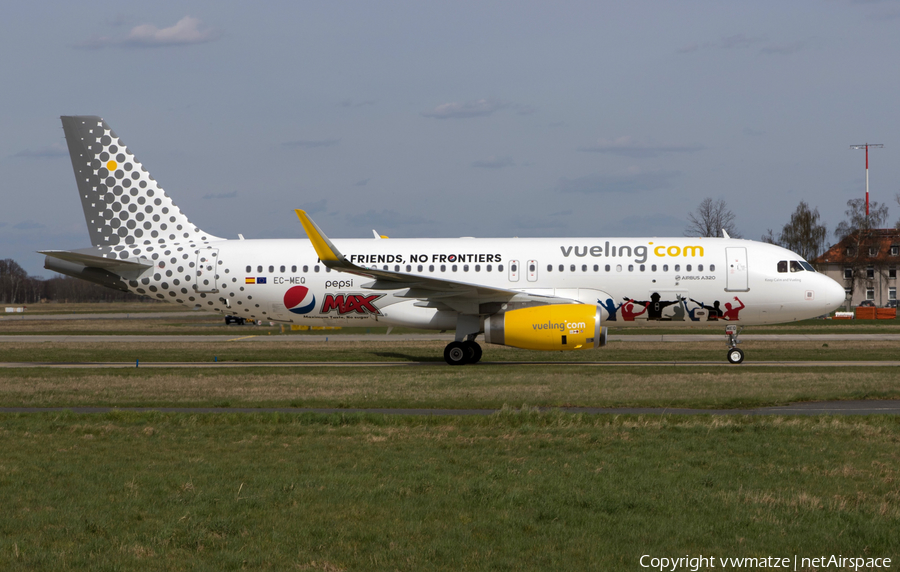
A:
461,353
735,355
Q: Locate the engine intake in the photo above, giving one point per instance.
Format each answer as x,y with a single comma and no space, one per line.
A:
554,327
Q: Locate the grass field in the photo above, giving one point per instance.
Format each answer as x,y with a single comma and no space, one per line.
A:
515,491
518,490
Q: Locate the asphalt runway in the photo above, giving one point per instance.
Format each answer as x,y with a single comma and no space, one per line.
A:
871,407
247,336
435,363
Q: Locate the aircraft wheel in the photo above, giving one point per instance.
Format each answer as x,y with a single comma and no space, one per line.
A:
735,355
473,351
455,354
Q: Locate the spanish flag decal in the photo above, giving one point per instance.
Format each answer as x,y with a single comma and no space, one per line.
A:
250,280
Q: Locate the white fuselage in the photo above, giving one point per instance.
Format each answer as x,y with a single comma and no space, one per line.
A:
684,282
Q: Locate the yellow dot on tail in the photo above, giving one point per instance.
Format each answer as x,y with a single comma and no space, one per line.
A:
112,165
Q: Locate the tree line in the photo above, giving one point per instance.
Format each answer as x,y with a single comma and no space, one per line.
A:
17,287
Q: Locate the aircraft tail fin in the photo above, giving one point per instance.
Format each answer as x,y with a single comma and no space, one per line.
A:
123,205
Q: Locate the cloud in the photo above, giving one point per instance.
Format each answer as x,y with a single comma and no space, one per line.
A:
735,42
386,219
783,49
311,144
635,182
316,207
628,147
28,225
534,223
494,163
50,152
230,195
351,103
186,31
361,183
753,132
478,108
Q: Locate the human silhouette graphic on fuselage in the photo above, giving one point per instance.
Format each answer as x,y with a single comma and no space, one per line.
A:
628,313
732,313
654,306
611,309
715,312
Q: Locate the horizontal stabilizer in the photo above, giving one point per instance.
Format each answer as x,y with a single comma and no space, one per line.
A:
135,265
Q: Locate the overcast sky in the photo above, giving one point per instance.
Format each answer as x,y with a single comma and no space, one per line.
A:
453,119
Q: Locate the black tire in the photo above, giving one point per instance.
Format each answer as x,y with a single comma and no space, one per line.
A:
735,356
473,351
455,354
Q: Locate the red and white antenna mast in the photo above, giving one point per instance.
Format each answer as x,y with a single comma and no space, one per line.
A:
866,147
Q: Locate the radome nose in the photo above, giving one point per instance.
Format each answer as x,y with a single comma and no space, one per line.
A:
834,294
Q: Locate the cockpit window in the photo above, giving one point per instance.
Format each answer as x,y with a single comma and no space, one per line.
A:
796,267
782,265
807,265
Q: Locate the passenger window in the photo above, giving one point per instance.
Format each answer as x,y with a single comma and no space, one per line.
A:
571,268
271,268
796,267
443,267
316,268
700,267
465,267
665,267
488,268
596,268
409,268
282,269
549,268
396,268
477,268
499,268
531,268
561,267
782,265
688,268
618,267
259,268
712,267
677,268
293,269
584,267
419,268
513,268
431,267
305,269
249,269
631,267
642,267
606,268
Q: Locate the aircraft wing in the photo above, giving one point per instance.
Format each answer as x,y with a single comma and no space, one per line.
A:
464,297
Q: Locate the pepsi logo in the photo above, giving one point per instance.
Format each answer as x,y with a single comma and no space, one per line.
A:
295,300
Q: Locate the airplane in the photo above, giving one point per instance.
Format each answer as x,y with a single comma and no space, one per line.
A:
551,294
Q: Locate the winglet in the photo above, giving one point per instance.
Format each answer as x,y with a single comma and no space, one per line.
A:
328,252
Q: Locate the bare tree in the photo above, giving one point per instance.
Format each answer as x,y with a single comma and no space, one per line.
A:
860,236
857,219
803,234
710,219
897,198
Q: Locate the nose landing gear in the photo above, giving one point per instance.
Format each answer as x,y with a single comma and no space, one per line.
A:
735,355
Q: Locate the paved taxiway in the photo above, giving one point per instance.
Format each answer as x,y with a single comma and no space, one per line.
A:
304,338
887,407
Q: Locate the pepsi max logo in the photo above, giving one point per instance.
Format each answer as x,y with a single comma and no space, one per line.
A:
295,300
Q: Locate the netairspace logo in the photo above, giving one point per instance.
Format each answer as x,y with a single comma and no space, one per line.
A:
695,563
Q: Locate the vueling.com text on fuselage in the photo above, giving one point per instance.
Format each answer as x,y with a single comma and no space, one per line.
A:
639,252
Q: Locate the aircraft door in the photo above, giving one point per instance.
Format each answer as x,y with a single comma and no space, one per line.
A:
207,270
736,266
513,270
532,271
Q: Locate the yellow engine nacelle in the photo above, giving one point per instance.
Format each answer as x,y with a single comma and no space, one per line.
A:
554,327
